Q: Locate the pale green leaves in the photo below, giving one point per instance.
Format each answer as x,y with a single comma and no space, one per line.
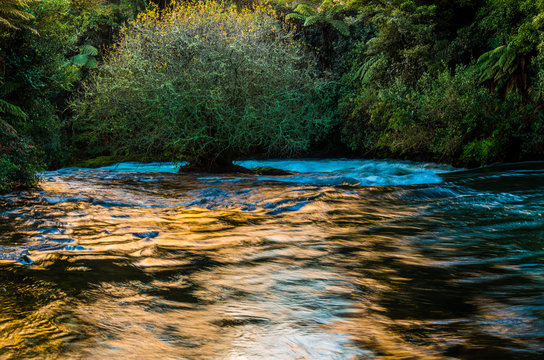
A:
326,13
14,16
499,64
305,10
310,20
86,57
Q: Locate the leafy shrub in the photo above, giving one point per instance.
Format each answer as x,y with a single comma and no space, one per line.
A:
448,118
205,83
46,48
18,160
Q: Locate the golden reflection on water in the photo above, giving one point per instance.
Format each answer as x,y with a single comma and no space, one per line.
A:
124,270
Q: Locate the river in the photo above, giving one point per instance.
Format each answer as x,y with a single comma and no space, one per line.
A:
347,259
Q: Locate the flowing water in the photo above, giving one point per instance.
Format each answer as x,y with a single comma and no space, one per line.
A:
348,259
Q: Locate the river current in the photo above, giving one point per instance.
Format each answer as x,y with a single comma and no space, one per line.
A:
346,259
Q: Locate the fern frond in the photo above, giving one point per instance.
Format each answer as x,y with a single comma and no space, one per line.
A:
489,63
92,63
18,14
502,60
340,26
333,11
509,63
484,57
8,87
80,59
364,72
295,16
14,15
371,71
306,10
89,50
8,108
326,4
311,20
6,24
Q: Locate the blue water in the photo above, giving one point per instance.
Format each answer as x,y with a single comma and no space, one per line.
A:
349,259
319,172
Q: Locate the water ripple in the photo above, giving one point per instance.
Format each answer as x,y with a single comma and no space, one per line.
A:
351,259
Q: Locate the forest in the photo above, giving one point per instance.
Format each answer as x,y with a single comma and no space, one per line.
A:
92,82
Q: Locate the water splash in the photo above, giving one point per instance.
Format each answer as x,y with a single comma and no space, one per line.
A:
319,172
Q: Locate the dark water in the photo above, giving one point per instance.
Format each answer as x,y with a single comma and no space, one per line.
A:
323,265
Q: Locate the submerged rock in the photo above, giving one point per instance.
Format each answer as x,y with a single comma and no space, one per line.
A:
268,170
233,168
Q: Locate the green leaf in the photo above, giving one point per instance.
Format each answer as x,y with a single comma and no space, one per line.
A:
305,10
340,26
8,108
92,63
8,87
80,59
88,50
336,9
295,16
484,57
311,20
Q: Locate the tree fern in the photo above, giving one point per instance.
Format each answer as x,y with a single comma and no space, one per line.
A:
326,13
8,108
498,64
14,15
305,10
88,50
340,26
86,57
506,69
310,20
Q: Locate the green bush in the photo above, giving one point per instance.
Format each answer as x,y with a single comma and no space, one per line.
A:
18,161
46,49
204,83
448,118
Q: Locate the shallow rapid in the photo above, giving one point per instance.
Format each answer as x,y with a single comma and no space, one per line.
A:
346,259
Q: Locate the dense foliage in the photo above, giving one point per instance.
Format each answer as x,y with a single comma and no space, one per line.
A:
458,81
205,83
450,81
46,48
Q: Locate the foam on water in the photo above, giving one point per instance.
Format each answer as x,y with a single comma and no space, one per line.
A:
159,167
353,172
346,165
320,172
